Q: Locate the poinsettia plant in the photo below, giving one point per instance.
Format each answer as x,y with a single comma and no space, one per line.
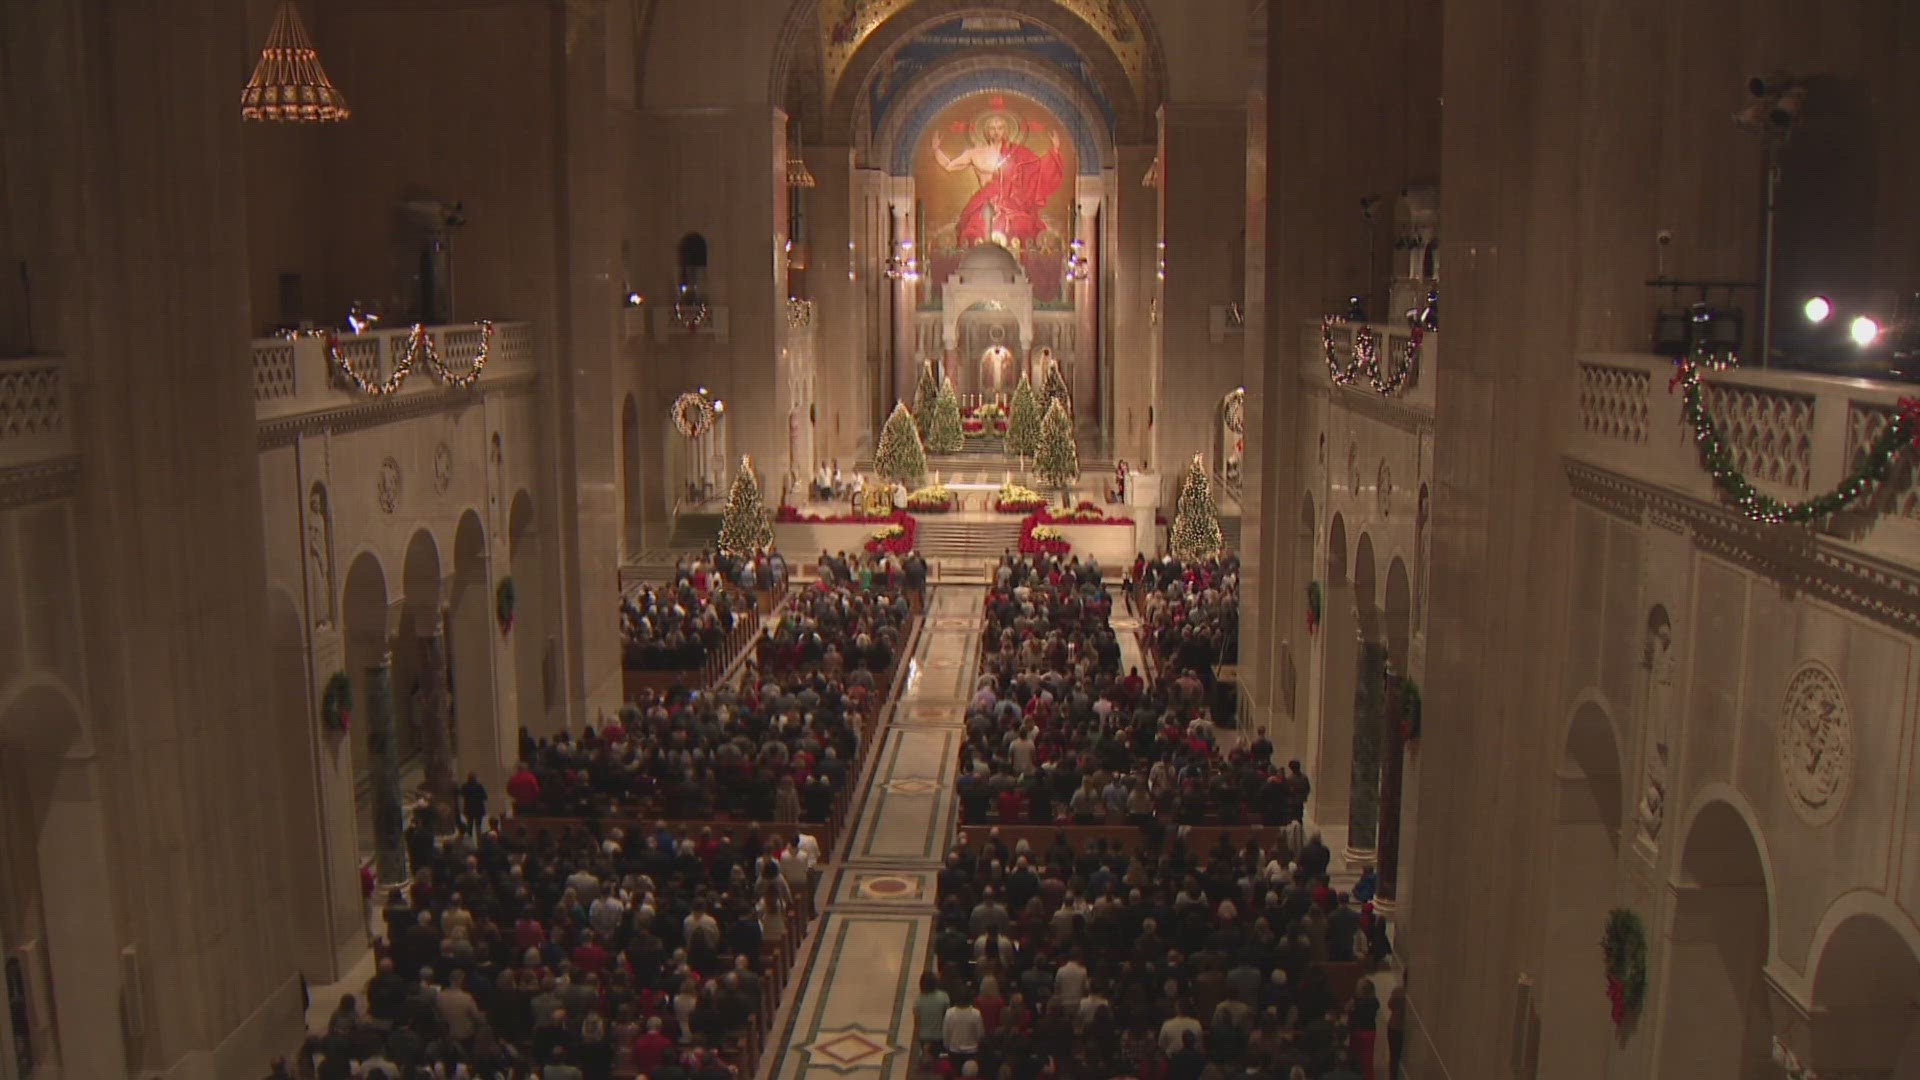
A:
1018,499
933,499
895,537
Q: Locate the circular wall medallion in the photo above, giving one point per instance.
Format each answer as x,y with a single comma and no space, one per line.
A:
442,468
388,486
1816,742
1383,491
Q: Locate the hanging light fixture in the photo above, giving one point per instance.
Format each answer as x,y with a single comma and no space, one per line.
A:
288,84
798,174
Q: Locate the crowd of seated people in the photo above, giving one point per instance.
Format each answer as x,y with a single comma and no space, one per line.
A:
678,627
1190,610
1056,734
1169,964
852,620
579,954
773,749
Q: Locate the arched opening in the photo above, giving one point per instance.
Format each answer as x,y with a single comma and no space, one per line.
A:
1716,1021
1397,615
631,501
1866,1002
1339,655
421,693
55,892
1574,1025
523,557
364,626
483,748
1369,705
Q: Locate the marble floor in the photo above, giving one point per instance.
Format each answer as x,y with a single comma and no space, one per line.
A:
850,1016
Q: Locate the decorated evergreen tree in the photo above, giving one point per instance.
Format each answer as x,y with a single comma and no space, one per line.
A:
1196,522
1023,420
900,457
944,435
1056,458
744,528
924,396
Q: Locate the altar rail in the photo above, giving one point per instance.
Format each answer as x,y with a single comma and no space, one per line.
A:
293,375
1795,435
35,417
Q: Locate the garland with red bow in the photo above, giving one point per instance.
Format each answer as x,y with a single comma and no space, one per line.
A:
1313,606
1625,947
1717,458
336,704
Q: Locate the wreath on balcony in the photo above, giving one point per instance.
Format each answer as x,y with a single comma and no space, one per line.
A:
1313,606
504,601
1625,946
336,703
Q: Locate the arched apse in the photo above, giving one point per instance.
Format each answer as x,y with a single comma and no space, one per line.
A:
365,636
1866,995
419,619
51,852
1397,615
904,130
632,504
1715,1020
1585,851
483,748
1340,659
523,558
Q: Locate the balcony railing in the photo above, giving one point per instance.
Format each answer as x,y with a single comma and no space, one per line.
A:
293,375
1794,435
1390,348
34,415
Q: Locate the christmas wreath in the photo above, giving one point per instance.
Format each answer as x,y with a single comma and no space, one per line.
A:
504,601
1625,947
1409,709
336,703
692,414
1313,606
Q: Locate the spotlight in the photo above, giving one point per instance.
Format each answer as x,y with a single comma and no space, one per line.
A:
1786,108
1817,309
1865,331
1355,311
719,405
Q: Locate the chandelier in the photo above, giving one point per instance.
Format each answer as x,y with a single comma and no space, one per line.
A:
1077,263
901,265
689,310
288,83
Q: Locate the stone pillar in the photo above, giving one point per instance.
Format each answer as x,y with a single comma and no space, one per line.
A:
1332,742
1369,744
901,298
433,712
389,817
1086,306
1392,769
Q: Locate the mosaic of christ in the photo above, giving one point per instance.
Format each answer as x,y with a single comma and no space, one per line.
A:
996,169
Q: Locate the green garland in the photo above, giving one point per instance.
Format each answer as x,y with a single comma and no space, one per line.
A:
1409,709
1718,460
1625,948
504,601
336,703
1366,357
1313,606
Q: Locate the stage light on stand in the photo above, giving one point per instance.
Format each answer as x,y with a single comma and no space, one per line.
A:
1356,312
1817,309
1864,330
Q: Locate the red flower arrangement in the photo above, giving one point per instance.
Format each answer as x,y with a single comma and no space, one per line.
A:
896,535
1037,537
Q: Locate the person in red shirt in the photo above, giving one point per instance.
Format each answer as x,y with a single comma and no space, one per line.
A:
524,789
589,956
650,1050
1009,805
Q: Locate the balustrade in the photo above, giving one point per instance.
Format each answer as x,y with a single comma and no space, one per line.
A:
294,375
34,413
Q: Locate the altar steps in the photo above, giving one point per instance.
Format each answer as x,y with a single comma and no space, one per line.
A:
965,541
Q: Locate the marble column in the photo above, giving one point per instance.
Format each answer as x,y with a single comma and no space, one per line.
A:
389,819
1332,742
1369,745
1391,773
1086,306
433,713
901,298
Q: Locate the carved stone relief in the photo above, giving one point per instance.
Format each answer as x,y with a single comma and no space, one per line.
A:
1815,738
321,601
387,486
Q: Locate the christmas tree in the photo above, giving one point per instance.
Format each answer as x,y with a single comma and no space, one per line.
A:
1196,522
944,435
1056,458
744,528
900,456
924,396
1023,420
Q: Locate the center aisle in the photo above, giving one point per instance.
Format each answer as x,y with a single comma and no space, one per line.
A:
880,896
